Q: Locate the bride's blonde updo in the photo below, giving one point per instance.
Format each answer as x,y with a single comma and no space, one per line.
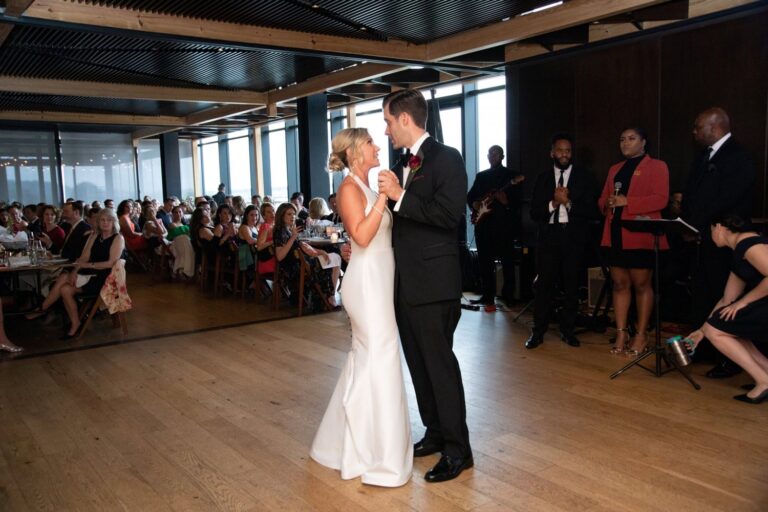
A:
345,148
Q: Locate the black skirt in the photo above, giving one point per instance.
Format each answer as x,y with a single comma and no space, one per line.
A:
629,258
751,322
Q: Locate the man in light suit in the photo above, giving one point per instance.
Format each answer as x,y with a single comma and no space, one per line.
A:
720,181
428,209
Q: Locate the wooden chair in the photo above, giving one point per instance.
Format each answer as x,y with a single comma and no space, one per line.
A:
221,272
89,306
278,286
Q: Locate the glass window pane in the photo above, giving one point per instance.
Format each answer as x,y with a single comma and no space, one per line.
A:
240,166
98,166
447,90
375,124
494,81
278,166
210,160
491,124
150,169
450,118
27,167
187,169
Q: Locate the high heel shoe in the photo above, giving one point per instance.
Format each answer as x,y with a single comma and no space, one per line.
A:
616,349
757,400
37,313
13,349
643,348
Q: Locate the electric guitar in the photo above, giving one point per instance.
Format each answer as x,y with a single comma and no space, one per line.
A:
486,202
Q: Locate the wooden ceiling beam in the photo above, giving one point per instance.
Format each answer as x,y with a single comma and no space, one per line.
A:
81,117
569,14
13,8
220,32
128,91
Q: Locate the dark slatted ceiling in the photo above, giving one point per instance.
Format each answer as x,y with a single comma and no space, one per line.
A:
67,54
14,101
417,21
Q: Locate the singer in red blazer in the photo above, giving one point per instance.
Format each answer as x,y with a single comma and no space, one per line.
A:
648,195
639,185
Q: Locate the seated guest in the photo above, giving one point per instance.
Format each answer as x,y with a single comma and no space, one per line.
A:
109,203
34,223
267,199
248,234
642,183
96,204
154,229
93,216
334,206
51,235
164,212
134,240
740,318
225,232
18,223
297,199
5,219
102,250
256,200
6,345
318,210
238,205
181,245
265,246
288,250
79,230
201,231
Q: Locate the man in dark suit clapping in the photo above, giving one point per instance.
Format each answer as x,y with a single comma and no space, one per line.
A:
562,205
720,181
427,211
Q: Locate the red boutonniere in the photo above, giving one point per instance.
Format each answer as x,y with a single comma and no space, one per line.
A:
414,163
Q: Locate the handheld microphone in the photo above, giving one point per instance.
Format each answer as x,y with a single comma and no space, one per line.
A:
616,190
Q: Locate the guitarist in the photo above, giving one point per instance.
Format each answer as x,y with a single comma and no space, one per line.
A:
496,190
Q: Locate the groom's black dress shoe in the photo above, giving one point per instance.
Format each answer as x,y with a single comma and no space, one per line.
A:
723,370
448,468
571,340
426,447
534,340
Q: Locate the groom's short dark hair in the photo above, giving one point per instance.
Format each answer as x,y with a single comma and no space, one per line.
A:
409,101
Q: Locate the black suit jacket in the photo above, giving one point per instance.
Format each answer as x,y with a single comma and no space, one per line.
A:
425,231
723,185
501,219
582,192
75,241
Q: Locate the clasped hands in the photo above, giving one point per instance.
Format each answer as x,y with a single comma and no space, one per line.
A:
561,197
389,184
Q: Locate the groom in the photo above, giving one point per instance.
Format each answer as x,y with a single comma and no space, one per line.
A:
428,210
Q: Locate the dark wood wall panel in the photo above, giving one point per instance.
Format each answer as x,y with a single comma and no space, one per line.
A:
722,65
658,82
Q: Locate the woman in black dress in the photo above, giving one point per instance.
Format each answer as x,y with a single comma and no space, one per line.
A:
740,318
102,250
288,250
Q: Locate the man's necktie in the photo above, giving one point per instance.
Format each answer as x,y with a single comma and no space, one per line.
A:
560,182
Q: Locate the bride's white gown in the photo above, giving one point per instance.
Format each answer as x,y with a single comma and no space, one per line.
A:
366,430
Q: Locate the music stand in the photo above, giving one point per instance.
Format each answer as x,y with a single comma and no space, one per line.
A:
658,227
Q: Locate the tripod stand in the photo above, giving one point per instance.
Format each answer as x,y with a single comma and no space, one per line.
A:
657,227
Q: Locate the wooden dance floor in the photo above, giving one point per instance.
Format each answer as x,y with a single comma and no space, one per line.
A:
223,420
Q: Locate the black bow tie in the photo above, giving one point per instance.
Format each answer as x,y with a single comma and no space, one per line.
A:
404,158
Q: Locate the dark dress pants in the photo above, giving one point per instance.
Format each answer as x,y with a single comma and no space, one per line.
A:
558,265
491,245
426,332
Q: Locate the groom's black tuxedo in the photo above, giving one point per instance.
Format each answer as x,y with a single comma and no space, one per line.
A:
428,290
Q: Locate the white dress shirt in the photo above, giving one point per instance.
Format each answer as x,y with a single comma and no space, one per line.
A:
717,145
407,170
564,209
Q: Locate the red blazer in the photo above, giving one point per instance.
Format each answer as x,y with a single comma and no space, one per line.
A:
648,194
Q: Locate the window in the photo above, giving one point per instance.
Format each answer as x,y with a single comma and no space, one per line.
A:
150,169
187,169
240,164
491,123
28,167
98,166
373,120
278,164
450,118
209,148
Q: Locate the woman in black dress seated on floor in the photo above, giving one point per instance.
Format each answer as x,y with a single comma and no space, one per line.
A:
102,250
740,318
288,250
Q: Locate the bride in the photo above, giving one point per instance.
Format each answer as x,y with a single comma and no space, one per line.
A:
366,430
